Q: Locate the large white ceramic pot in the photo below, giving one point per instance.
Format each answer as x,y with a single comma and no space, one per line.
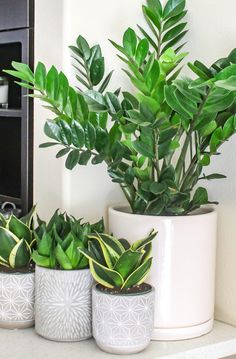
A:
63,308
183,270
16,300
123,323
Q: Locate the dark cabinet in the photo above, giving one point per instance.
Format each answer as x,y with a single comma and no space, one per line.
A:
16,14
16,122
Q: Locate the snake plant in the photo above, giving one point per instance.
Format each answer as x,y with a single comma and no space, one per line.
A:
115,263
16,240
59,239
160,139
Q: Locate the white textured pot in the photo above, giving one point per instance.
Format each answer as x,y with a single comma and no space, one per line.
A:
63,306
183,269
123,324
16,300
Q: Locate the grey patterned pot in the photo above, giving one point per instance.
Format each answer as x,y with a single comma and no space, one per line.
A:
122,324
16,300
63,306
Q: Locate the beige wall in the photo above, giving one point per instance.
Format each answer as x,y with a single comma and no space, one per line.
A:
87,190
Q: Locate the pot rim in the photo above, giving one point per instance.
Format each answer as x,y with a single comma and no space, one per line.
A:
62,270
152,289
124,210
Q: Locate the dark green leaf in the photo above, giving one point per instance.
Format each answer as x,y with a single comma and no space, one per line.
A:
83,47
77,133
173,8
172,33
97,71
72,159
84,157
63,152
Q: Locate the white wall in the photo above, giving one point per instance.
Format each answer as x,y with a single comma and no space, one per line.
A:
87,190
48,49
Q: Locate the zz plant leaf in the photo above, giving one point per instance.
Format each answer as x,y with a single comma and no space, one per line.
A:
155,141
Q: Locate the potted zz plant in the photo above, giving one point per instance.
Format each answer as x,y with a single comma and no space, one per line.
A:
62,279
123,305
157,147
17,272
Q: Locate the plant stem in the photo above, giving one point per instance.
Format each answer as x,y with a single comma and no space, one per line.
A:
159,43
182,157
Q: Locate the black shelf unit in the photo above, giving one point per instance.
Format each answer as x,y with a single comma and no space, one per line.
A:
16,122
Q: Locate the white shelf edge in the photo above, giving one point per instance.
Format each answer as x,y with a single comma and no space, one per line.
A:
18,344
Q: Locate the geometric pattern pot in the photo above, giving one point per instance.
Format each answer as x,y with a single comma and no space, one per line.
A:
16,300
63,304
122,324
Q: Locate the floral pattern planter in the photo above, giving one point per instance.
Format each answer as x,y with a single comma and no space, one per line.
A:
16,300
122,324
63,306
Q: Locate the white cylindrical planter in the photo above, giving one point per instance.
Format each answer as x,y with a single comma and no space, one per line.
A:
123,324
63,308
16,300
183,270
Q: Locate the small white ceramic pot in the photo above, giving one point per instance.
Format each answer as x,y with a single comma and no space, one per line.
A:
122,324
183,268
16,300
63,308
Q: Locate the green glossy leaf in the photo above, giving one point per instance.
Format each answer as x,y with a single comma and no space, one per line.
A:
127,263
232,56
143,148
228,84
83,47
152,15
72,159
112,103
173,8
19,229
63,152
40,76
23,69
130,42
141,52
84,157
52,130
52,83
8,241
173,20
20,255
95,101
200,196
97,71
90,136
40,260
105,83
78,135
156,6
139,275
175,41
172,33
62,258
158,188
141,243
214,176
152,76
